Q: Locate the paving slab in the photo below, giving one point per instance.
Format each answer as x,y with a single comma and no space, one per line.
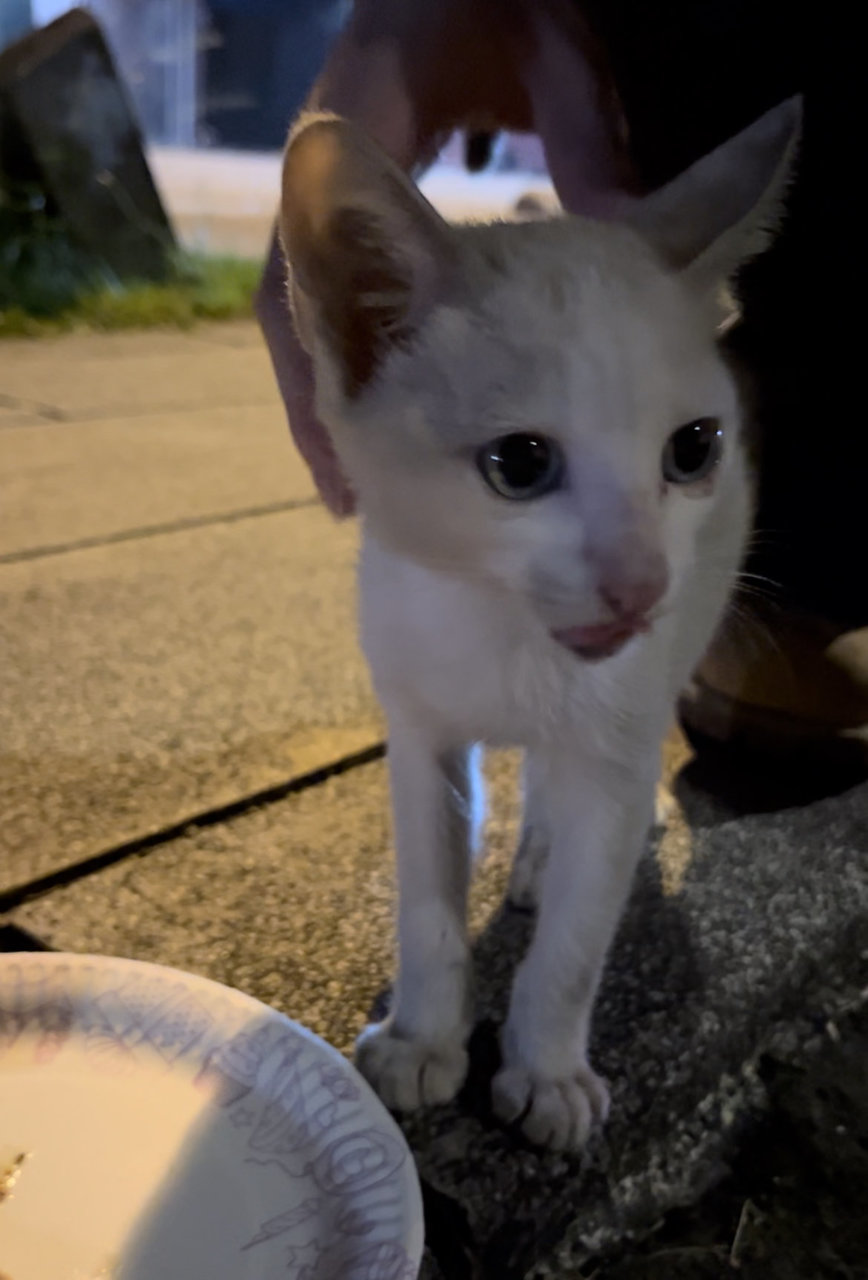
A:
64,484
12,414
231,333
312,874
109,379
747,931
124,344
147,680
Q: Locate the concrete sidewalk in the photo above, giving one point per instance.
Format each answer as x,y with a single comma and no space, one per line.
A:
191,773
177,627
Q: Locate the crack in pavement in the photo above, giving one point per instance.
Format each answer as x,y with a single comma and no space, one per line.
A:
156,530
51,412
29,890
81,417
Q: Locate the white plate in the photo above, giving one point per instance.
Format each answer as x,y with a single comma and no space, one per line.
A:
178,1130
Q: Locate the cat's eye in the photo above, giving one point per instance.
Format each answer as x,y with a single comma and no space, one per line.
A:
693,451
521,466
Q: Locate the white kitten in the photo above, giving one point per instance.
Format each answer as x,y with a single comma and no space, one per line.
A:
545,444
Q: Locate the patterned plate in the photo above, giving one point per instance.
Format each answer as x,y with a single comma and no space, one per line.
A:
154,1124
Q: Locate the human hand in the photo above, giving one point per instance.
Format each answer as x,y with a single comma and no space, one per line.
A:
412,71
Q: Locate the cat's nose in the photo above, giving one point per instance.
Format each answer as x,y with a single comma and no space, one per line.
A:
622,542
631,587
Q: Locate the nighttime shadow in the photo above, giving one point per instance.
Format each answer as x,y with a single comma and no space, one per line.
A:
653,980
749,945
650,966
720,783
653,927
646,1014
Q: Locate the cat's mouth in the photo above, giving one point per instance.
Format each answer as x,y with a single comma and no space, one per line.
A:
601,639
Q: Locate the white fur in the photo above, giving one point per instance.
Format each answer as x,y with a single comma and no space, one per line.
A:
581,331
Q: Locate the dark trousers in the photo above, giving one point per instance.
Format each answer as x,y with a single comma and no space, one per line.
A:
691,73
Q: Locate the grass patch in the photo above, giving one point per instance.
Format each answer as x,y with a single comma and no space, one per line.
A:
200,288
50,283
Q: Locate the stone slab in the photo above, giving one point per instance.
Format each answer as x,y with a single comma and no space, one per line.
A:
60,84
108,381
148,680
63,484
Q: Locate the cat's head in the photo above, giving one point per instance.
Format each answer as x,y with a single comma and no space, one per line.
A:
542,405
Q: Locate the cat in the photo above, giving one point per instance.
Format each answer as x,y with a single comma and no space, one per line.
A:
546,444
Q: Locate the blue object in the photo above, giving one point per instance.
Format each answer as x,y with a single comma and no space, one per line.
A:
16,19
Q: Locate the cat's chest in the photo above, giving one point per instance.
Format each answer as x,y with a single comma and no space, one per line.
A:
475,665
483,683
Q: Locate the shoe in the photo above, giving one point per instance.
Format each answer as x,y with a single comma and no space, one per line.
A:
778,681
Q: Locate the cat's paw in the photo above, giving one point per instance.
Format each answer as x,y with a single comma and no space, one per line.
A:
407,1073
554,1113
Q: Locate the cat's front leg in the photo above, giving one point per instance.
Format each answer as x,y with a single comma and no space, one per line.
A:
418,1055
599,815
525,881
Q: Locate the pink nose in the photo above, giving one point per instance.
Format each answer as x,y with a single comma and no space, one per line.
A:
622,542
631,589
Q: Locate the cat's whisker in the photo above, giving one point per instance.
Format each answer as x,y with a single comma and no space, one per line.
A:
761,536
753,629
745,575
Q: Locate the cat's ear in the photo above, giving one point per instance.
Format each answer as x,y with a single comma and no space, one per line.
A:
725,209
369,257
